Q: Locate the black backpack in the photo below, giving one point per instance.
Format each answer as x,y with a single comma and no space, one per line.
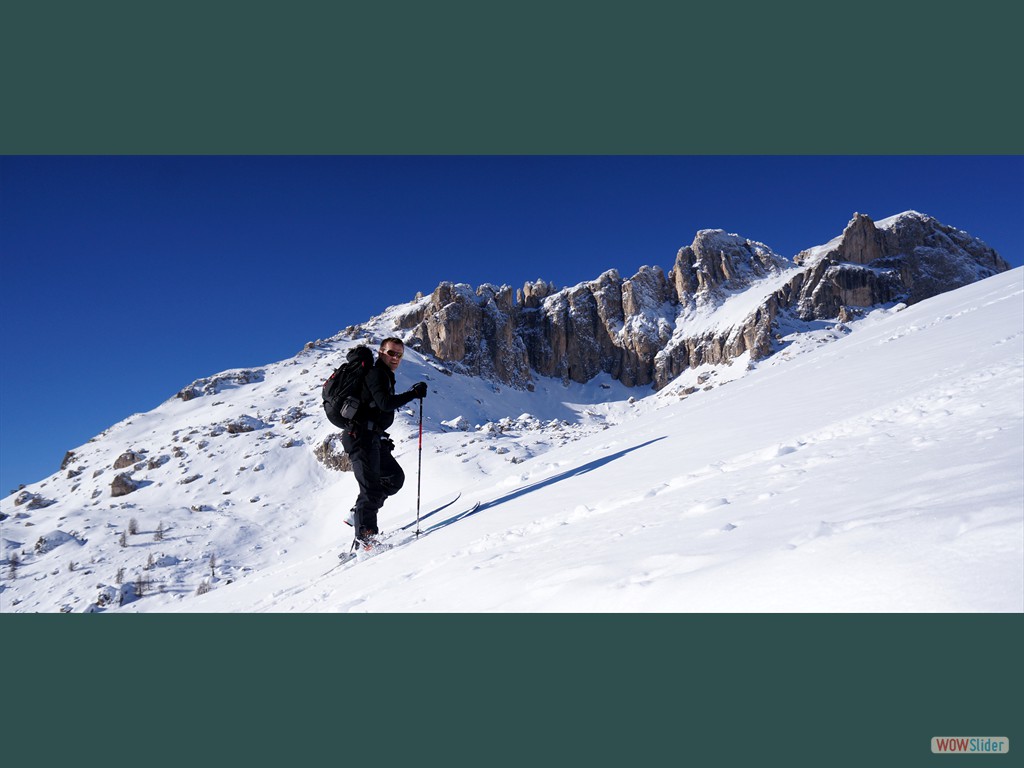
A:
343,390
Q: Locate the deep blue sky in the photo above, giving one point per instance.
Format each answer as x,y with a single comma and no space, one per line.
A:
126,278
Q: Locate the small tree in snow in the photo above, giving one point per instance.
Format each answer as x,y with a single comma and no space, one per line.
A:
159,535
123,541
133,526
119,578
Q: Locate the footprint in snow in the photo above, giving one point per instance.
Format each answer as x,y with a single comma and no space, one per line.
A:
656,490
706,506
782,449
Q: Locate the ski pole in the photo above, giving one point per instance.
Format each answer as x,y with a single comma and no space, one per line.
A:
419,472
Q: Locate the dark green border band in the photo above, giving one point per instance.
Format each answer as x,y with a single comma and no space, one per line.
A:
549,77
500,689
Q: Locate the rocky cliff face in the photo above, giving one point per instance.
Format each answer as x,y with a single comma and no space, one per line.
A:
909,257
722,298
718,262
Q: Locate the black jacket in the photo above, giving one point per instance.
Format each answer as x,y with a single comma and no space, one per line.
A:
379,398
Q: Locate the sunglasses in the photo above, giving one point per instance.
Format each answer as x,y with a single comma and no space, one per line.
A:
393,353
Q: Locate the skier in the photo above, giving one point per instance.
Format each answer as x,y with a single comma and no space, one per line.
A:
368,444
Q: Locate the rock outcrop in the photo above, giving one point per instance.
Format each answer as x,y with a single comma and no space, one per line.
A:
215,384
123,484
128,458
717,262
331,453
909,258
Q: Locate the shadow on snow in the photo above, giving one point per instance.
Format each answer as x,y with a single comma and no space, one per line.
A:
580,470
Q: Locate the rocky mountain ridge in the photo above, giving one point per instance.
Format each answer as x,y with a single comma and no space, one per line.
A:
724,297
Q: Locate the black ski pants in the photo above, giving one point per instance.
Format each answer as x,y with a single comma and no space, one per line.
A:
378,474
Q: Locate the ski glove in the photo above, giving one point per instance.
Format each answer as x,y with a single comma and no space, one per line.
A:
419,390
387,444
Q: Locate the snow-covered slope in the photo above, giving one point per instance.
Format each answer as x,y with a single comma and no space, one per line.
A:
873,466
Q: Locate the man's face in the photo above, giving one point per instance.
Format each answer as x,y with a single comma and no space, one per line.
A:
391,354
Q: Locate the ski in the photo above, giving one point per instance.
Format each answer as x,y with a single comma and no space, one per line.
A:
407,526
453,519
344,558
357,553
